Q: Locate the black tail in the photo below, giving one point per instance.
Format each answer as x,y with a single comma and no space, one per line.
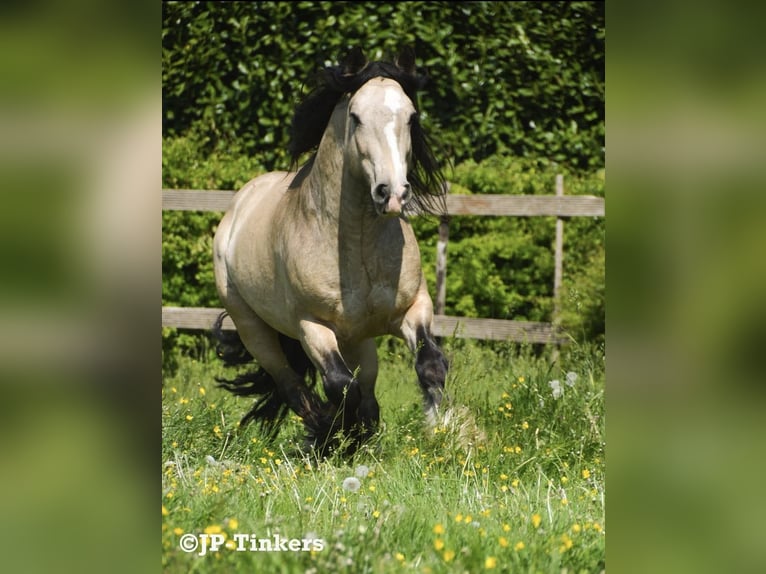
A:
270,408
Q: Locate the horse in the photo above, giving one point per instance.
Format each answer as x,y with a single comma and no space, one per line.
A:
313,264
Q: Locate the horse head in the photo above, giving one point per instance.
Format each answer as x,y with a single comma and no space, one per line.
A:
378,143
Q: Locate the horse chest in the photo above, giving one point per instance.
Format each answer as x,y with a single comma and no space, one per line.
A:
374,297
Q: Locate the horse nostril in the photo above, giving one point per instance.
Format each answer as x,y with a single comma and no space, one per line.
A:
406,193
381,192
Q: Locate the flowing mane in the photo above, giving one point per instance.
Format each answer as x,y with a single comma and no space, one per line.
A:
313,114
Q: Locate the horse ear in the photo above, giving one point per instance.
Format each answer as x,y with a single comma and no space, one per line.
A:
354,61
406,60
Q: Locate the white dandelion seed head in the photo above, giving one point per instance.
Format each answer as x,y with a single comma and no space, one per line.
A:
571,378
352,484
211,461
362,471
556,388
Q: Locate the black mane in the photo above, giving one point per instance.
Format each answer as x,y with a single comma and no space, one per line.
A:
313,114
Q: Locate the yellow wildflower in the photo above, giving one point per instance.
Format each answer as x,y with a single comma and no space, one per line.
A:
536,519
438,544
490,562
178,531
519,546
448,555
506,527
399,556
164,511
202,391
503,541
585,473
438,529
213,529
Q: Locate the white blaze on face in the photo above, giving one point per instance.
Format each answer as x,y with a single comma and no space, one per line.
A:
393,101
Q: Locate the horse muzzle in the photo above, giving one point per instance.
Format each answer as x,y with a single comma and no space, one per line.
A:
388,202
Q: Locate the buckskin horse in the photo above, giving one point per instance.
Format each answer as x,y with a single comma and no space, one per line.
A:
313,265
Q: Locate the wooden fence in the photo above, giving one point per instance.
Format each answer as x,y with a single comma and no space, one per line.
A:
558,205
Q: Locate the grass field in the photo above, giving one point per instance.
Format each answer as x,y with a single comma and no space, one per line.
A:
514,482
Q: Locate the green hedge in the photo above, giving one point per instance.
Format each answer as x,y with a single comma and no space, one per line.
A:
517,78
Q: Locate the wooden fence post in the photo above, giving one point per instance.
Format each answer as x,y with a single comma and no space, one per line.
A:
558,271
441,266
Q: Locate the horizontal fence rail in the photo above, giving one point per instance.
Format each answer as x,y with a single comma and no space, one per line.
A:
444,326
560,206
499,205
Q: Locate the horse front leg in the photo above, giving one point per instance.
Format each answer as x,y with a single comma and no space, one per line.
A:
430,363
340,385
362,357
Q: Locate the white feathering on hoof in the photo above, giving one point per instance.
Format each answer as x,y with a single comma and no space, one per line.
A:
459,423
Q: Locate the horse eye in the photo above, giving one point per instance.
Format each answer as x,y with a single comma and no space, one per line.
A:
355,119
413,118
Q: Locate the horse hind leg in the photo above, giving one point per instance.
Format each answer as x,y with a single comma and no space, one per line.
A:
283,380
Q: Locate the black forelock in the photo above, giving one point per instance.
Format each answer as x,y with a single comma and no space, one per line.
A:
313,113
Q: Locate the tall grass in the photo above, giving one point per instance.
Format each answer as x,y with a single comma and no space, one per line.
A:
513,481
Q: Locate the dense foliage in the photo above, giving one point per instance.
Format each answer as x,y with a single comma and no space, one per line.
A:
515,96
512,77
